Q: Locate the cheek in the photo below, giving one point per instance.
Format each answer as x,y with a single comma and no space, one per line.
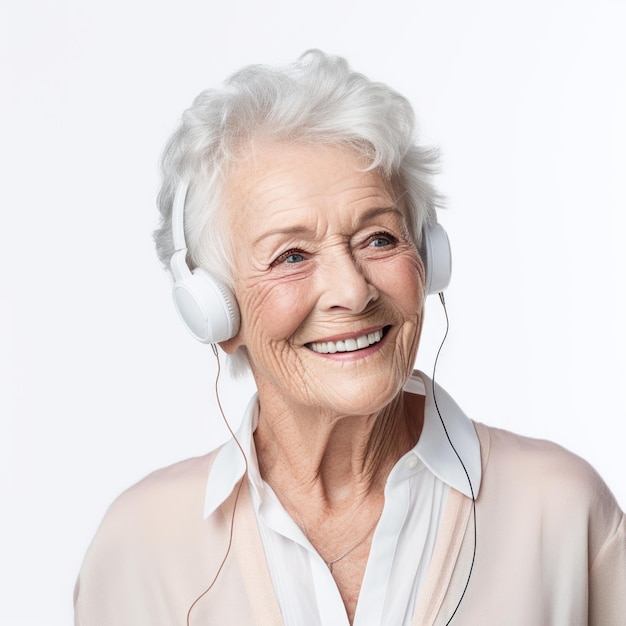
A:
272,310
402,280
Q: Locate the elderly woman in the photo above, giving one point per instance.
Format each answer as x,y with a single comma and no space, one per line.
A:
299,223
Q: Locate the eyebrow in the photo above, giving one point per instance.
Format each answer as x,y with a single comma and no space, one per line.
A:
299,230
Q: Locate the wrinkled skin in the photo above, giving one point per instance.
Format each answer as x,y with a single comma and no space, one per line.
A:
321,252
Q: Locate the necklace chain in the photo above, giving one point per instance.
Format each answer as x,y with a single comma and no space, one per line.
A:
303,527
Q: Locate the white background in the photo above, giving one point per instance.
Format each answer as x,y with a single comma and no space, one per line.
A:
99,382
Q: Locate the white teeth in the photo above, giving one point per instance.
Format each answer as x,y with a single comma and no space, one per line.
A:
349,345
362,342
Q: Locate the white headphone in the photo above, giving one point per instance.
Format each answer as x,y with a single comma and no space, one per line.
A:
208,307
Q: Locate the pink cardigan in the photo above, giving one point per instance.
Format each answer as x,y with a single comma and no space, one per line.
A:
551,550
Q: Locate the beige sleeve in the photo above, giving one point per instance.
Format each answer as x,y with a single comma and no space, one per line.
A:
607,581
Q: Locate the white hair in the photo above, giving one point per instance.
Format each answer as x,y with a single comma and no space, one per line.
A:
317,99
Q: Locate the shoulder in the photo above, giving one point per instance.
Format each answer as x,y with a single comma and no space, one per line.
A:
167,502
154,537
540,465
188,474
542,479
530,460
153,522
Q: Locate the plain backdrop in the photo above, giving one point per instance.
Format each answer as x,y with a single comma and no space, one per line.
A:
100,384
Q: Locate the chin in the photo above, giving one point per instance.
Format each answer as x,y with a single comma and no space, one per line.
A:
360,393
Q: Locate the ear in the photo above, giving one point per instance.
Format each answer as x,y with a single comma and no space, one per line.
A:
230,346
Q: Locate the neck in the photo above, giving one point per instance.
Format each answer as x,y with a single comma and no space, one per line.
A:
338,459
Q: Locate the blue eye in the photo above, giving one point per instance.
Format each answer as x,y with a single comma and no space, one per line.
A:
382,240
294,257
291,257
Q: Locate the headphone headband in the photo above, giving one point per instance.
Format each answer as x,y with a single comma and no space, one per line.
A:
178,216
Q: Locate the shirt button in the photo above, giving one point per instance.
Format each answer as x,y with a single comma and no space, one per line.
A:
411,462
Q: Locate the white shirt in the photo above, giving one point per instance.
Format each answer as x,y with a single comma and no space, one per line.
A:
403,541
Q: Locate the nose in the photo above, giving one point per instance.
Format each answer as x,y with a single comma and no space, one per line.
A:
345,285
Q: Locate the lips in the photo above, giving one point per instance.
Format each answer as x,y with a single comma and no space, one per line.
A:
347,345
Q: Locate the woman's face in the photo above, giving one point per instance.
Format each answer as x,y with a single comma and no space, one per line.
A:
330,287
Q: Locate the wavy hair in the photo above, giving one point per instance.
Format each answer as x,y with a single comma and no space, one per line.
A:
317,99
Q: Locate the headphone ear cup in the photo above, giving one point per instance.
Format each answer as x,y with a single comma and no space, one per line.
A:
206,306
437,257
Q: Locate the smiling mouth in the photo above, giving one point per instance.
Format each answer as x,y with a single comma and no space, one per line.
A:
348,345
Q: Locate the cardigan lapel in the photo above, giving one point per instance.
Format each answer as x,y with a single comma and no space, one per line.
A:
446,553
253,565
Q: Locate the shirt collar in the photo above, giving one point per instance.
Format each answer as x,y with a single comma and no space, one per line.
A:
433,447
229,465
435,450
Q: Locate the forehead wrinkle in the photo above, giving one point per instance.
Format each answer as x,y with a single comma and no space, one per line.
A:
294,205
307,226
287,181
296,230
375,212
